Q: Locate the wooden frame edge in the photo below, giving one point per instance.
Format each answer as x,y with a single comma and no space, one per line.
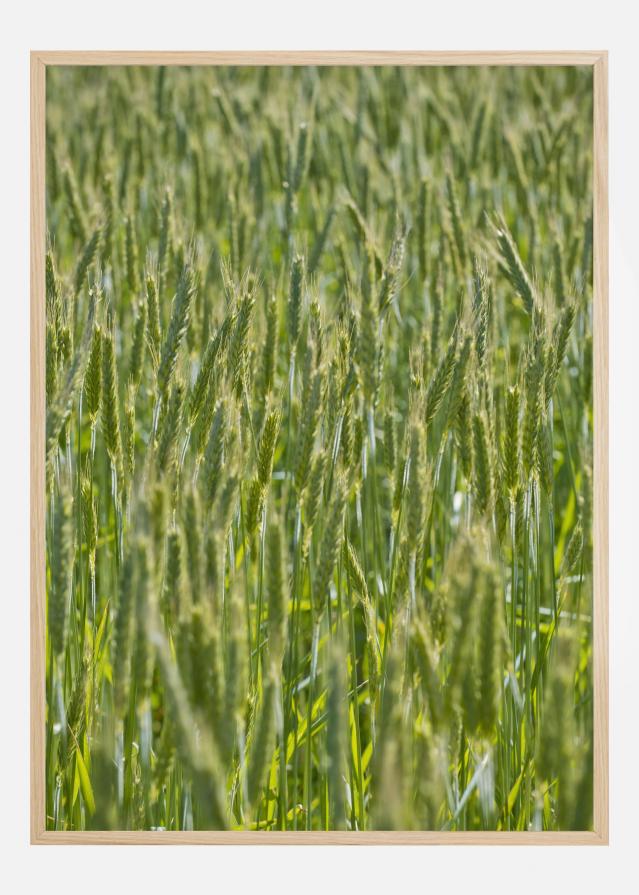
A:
37,477
318,57
600,438
264,837
39,60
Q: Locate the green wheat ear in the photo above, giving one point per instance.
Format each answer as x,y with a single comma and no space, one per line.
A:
178,325
51,375
269,357
560,338
76,715
464,433
295,295
174,578
355,571
238,346
86,259
512,450
484,483
153,317
390,442
481,311
52,287
573,551
313,497
59,410
312,408
267,447
200,388
138,346
458,384
214,452
416,485
329,549
389,284
512,265
534,391
170,428
93,376
254,506
111,405
62,553
442,378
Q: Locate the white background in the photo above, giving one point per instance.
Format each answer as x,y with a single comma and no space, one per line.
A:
270,24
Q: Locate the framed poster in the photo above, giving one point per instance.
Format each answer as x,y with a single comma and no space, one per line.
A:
319,448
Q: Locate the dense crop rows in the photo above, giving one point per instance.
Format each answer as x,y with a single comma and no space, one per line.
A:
319,448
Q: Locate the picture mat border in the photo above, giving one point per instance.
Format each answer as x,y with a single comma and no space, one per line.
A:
598,60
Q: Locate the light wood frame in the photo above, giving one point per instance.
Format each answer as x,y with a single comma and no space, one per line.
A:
598,60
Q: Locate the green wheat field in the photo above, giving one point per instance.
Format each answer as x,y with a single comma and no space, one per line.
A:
319,448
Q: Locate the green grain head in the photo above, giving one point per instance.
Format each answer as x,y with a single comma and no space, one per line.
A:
61,564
